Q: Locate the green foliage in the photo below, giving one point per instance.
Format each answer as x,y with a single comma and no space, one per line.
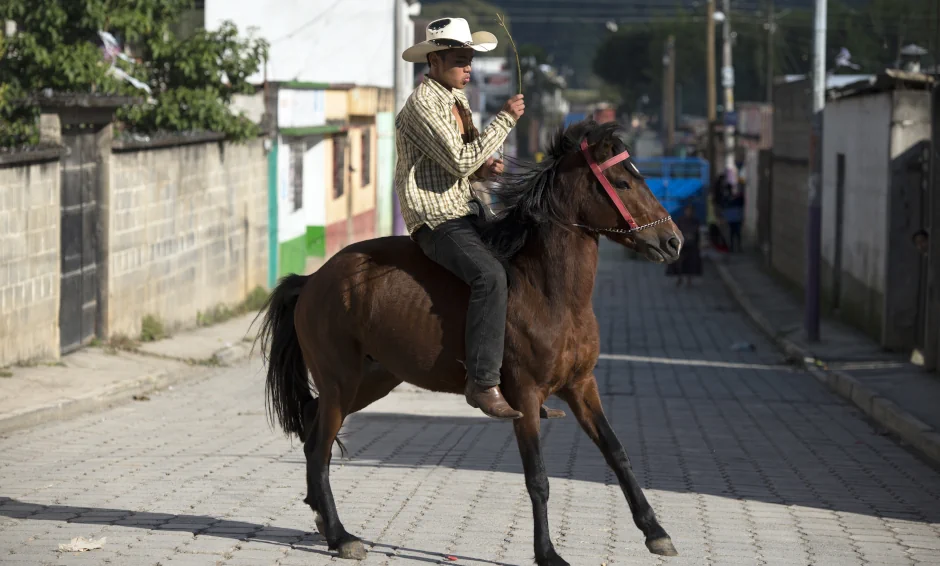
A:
17,122
152,329
253,303
537,52
874,32
193,79
256,299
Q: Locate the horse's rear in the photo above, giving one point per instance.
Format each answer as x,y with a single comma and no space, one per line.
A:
376,314
377,309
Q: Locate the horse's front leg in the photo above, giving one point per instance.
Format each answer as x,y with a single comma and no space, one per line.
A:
585,403
536,481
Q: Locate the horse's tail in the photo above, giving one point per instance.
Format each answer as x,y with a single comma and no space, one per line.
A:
286,386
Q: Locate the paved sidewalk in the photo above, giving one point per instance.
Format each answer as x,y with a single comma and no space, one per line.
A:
747,461
900,396
96,377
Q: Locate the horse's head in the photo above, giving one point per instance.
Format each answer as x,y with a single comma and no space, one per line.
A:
564,191
602,171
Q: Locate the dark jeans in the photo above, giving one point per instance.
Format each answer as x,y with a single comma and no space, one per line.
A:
456,245
735,229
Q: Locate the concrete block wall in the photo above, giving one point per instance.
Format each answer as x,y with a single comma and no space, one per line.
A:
188,230
791,133
788,222
863,124
29,261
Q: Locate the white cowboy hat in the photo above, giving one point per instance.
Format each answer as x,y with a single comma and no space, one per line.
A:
449,33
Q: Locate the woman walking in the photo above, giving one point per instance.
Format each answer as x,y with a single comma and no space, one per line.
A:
690,262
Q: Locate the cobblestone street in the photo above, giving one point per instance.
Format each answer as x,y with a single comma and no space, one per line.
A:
745,460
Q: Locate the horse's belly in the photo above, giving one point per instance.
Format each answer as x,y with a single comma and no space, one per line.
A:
416,331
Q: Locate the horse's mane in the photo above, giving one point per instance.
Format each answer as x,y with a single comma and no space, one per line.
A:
528,199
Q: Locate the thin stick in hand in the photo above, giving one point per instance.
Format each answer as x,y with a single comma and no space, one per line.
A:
502,23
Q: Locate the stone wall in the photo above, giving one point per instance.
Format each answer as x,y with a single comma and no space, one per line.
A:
29,260
188,231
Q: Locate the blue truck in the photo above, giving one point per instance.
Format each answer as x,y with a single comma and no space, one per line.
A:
677,182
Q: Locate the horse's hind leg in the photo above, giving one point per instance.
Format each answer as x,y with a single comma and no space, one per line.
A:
377,382
318,450
585,402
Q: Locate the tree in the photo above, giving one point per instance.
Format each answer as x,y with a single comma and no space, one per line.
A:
625,60
874,32
57,46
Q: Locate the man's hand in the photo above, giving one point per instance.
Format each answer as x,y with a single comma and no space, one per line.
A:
515,106
490,169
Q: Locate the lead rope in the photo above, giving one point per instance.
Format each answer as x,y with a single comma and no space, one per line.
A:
625,230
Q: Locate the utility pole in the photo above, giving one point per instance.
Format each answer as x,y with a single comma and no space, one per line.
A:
669,93
771,30
727,81
814,193
712,87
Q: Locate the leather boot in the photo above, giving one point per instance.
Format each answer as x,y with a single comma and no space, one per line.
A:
547,413
490,401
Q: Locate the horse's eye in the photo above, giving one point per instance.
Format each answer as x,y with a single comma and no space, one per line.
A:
622,184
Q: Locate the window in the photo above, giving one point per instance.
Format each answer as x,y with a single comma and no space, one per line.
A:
296,175
339,166
366,163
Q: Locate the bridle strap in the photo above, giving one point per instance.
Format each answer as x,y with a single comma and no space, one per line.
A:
599,173
614,160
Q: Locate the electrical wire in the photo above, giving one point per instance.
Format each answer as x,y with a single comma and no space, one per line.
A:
307,24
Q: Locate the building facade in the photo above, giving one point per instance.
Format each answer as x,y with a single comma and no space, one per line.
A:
875,179
329,91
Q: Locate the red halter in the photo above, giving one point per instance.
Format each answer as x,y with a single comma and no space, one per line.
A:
599,173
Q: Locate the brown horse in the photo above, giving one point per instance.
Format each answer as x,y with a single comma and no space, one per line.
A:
380,313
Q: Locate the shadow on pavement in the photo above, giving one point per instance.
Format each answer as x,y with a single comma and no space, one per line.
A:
774,466
204,525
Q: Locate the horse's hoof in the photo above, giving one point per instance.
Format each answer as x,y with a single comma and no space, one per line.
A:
352,550
662,546
552,560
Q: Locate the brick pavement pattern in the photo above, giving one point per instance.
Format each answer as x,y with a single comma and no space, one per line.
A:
745,460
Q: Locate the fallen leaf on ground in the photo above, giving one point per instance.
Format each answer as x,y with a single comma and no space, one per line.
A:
81,544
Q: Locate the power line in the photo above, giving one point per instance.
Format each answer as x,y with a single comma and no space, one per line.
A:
307,24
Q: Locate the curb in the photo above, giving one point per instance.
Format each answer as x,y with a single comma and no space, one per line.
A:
885,412
119,393
233,353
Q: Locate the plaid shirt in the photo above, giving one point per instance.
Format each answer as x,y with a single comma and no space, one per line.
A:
432,176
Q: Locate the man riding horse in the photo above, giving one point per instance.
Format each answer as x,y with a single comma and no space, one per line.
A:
333,339
439,153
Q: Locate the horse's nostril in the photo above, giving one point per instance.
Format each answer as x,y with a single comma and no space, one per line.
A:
674,244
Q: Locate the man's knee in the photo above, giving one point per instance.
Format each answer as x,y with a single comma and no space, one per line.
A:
493,277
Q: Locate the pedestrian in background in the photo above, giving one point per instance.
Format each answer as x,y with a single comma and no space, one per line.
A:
690,261
714,215
733,211
921,241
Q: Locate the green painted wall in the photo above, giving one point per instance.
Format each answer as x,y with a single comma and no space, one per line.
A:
293,256
316,241
272,215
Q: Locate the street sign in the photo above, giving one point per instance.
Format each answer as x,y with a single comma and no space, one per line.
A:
727,77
